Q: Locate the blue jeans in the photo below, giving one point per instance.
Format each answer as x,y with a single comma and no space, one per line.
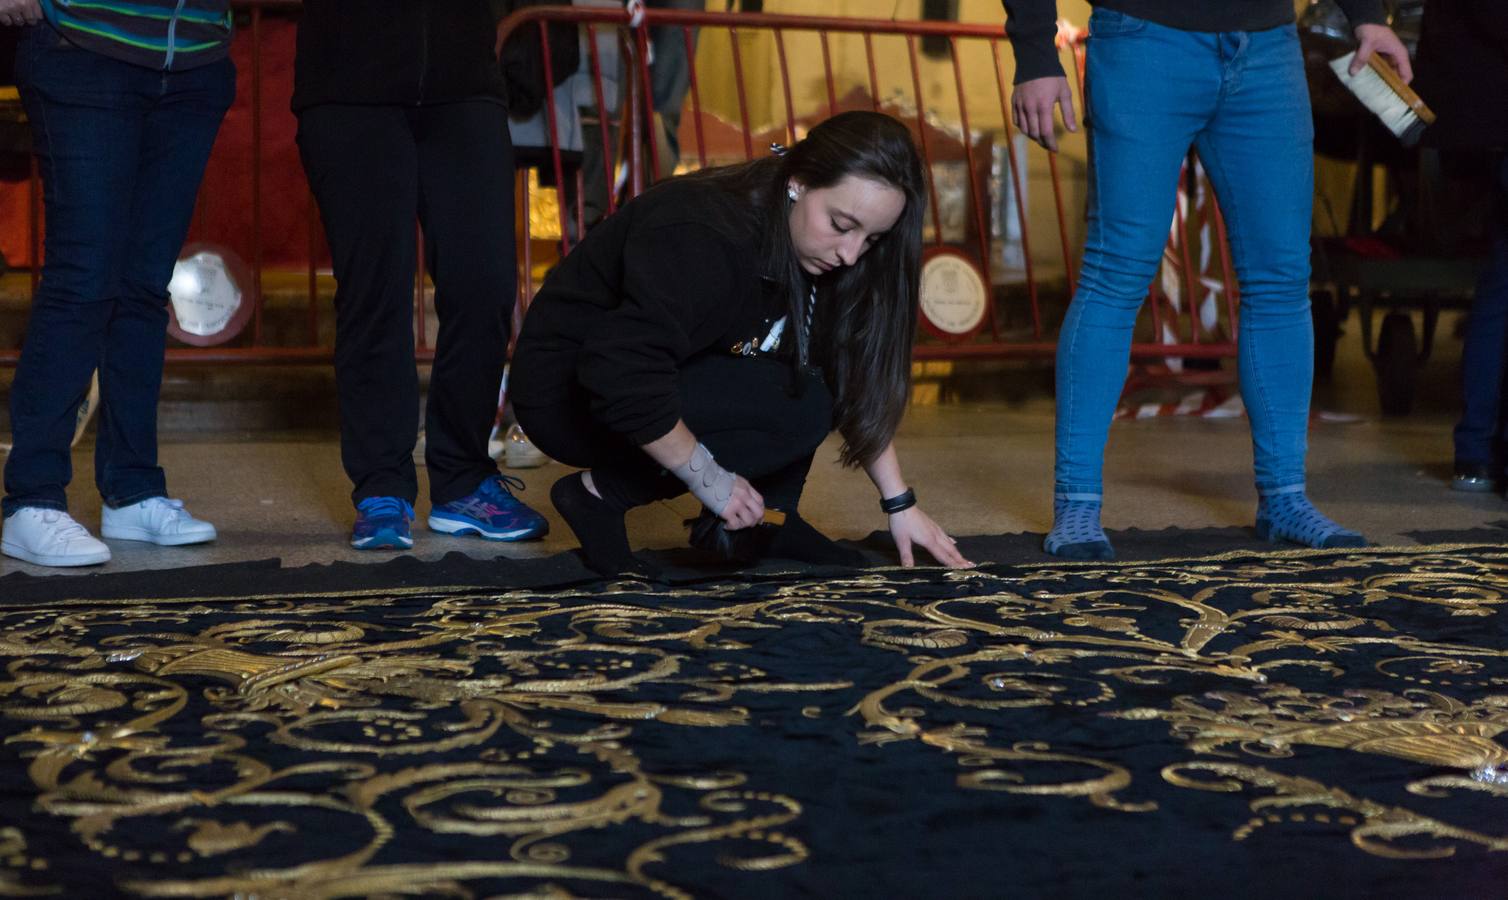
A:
1480,433
122,149
1241,100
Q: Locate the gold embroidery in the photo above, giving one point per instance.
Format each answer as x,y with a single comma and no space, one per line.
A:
151,726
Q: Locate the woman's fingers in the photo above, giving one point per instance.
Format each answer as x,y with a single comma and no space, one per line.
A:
916,527
745,506
945,552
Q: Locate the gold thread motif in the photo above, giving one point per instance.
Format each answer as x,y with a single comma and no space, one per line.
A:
276,745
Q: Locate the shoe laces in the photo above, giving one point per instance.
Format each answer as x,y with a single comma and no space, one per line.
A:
500,487
63,525
382,507
166,509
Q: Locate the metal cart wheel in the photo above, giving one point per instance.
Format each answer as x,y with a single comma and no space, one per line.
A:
1397,363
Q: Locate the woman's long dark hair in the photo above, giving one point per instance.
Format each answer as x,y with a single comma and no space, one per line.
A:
866,313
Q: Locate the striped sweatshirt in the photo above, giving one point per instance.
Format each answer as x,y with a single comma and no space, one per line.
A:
168,35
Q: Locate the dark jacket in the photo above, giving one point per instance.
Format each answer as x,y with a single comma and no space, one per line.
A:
1032,24
673,274
1463,73
400,52
170,35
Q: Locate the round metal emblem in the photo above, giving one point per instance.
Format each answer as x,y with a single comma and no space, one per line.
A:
954,294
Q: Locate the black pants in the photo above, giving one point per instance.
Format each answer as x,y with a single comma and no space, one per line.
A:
374,170
746,411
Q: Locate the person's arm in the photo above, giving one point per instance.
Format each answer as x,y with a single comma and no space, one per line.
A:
676,451
20,12
1373,36
676,284
1040,84
911,527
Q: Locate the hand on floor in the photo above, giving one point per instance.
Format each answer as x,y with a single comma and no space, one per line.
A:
913,527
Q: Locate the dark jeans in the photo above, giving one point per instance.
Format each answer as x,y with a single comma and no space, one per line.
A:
1481,432
374,169
744,410
122,149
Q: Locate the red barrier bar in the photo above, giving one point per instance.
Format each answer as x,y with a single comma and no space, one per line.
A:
528,243
1015,167
743,101
256,175
827,72
696,99
974,193
785,87
921,131
632,125
608,157
641,63
554,126
874,81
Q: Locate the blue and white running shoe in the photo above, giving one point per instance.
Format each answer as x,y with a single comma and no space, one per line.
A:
382,524
492,512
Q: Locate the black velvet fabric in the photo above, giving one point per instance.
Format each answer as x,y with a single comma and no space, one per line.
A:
1253,724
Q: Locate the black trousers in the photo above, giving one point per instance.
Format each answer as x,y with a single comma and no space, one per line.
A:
746,411
374,170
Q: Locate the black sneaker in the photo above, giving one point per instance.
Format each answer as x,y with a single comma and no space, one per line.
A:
1477,478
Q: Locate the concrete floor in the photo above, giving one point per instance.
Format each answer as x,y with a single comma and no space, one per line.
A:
979,468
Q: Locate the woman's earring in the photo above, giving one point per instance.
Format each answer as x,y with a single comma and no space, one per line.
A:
790,191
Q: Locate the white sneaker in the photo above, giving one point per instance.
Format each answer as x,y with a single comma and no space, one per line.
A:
156,520
50,537
519,452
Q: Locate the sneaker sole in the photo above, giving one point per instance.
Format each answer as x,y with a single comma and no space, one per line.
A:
1474,485
460,527
146,537
56,562
386,539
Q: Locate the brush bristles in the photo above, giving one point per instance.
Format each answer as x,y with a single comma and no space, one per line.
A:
1380,97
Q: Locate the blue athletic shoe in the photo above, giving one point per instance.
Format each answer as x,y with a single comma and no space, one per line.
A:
382,524
492,512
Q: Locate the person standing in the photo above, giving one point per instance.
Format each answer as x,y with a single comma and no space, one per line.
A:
402,116
1225,77
125,100
1463,63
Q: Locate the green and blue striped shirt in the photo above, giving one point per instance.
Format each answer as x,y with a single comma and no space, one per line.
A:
170,35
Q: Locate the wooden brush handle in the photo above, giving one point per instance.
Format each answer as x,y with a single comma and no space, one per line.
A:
1387,73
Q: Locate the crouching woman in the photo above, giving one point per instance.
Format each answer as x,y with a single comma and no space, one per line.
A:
711,334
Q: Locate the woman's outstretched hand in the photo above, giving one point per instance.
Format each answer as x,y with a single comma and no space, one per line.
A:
912,527
745,507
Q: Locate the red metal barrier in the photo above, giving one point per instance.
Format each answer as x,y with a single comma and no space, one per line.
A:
1183,318
1178,322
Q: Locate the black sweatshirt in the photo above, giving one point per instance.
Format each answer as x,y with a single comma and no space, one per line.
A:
396,52
1032,24
673,274
1463,73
